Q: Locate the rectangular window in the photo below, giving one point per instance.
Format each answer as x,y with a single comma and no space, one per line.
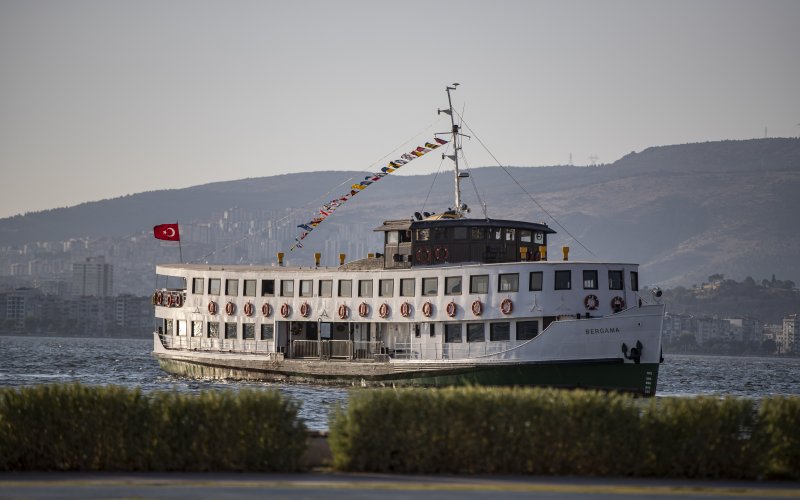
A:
407,287
452,333
213,329
306,288
232,287
527,330
197,286
168,328
459,233
249,288
432,329
392,237
508,283
182,328
430,286
499,332
213,286
417,330
524,236
563,280
510,234
452,285
249,331
267,288
230,330
197,328
479,284
634,281
325,288
365,288
477,233
423,234
287,288
615,280
496,233
536,281
386,288
345,288
267,332
475,332
590,280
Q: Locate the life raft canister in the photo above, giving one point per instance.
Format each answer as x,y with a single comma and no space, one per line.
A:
591,302
451,309
477,308
344,311
266,310
427,309
230,308
383,310
506,306
617,304
363,309
405,309
212,307
285,310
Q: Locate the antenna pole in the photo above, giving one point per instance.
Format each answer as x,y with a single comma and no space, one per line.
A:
456,148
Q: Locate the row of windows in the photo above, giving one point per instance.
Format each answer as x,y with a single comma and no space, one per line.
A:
213,328
474,233
430,286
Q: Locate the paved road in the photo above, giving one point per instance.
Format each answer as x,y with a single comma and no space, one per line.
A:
369,486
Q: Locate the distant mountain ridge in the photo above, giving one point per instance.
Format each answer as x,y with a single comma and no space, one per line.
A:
682,211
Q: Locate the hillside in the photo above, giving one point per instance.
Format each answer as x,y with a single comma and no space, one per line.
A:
683,211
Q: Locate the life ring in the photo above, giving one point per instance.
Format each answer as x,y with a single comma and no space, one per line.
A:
477,308
405,309
363,309
212,307
441,254
160,298
285,310
154,298
230,308
506,306
617,304
344,311
423,255
591,302
249,309
178,300
266,310
451,309
427,309
383,310
170,300
305,309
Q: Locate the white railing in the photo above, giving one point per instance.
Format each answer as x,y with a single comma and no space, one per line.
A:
339,349
367,349
212,344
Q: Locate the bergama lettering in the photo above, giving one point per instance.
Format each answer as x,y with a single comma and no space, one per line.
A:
593,331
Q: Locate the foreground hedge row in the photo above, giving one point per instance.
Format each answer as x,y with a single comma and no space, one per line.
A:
72,427
541,431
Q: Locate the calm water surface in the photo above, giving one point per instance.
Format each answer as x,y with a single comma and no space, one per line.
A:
127,362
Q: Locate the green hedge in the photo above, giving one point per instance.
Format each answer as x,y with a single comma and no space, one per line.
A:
544,431
74,427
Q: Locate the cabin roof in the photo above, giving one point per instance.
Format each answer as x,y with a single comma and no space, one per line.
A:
402,225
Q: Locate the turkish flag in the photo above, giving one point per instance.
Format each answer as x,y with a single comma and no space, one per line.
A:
167,232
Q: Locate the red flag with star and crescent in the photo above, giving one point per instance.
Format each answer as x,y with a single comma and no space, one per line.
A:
167,232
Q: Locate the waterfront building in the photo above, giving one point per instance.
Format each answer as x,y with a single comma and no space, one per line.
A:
93,277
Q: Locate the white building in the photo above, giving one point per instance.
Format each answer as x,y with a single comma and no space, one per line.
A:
787,341
94,277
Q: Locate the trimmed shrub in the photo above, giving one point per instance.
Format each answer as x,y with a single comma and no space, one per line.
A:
779,420
74,427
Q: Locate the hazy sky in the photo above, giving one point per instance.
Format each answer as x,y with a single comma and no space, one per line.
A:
104,98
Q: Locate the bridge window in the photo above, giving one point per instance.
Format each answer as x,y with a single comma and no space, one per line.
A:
249,288
430,286
287,288
479,283
230,330
496,233
345,288
508,283
213,329
267,332
423,234
477,233
232,287
524,236
325,288
365,288
214,286
249,331
499,332
475,332
510,234
386,288
536,281
197,286
615,280
407,287
563,280
267,288
392,237
306,288
590,280
459,233
527,330
452,333
452,285
634,281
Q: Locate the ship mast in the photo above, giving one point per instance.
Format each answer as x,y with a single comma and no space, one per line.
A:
460,208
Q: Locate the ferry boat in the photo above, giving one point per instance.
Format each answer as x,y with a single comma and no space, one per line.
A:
450,300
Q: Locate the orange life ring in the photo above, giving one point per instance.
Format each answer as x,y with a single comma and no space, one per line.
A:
285,310
178,300
230,308
423,255
617,304
305,309
427,309
266,309
441,254
506,306
477,308
591,302
344,311
249,309
405,309
212,307
383,310
363,309
451,309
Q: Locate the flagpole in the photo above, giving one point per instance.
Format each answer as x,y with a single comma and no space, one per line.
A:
180,247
